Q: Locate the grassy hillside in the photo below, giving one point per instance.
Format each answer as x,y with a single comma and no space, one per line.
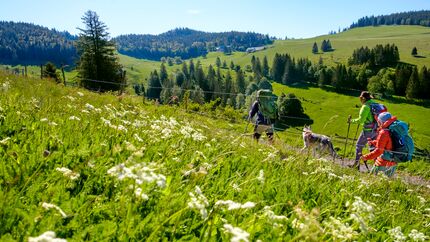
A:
96,167
405,37
329,112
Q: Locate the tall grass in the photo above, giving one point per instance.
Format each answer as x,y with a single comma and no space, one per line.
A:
144,172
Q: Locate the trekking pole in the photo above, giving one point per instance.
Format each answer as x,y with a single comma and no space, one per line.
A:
355,136
347,134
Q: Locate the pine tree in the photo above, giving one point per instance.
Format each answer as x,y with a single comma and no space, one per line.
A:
424,78
228,86
315,48
413,89
258,68
231,65
265,70
323,46
224,64
154,88
98,60
218,62
50,71
414,51
163,73
240,82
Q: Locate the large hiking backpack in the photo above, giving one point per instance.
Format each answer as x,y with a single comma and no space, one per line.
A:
376,109
267,104
403,145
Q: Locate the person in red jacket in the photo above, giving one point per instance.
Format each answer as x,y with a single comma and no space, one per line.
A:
383,142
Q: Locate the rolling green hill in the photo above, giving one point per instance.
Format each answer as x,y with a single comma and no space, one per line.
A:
344,43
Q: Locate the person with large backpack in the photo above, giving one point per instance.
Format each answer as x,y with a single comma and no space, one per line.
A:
266,109
392,145
367,119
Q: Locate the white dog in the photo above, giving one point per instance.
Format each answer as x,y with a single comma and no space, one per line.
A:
317,141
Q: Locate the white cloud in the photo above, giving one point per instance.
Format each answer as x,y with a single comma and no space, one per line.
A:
194,11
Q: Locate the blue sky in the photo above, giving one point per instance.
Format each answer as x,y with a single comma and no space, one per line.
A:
298,19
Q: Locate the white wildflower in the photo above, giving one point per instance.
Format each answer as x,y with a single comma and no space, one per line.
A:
236,187
361,212
409,190
80,94
136,136
106,121
417,236
68,173
85,111
422,200
4,141
121,128
394,202
305,173
199,202
376,194
234,205
260,177
396,234
74,118
71,98
201,154
44,120
121,172
270,156
5,86
48,206
339,230
297,224
89,106
53,124
272,216
138,192
48,236
237,233
198,136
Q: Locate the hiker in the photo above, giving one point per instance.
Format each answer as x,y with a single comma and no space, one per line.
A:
382,143
265,109
366,119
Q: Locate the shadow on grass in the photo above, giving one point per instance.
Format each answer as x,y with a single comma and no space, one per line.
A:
418,102
294,122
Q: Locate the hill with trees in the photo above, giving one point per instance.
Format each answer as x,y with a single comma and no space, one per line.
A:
187,43
30,44
405,18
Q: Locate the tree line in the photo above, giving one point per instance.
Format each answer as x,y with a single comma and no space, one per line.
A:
405,18
25,43
187,43
377,69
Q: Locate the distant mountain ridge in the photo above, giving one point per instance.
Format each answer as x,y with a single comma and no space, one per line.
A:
26,43
187,43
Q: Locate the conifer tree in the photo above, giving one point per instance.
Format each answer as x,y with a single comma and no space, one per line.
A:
315,48
240,82
265,70
218,62
414,51
98,65
154,88
413,88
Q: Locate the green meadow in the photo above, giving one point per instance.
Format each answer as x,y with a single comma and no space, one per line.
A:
78,165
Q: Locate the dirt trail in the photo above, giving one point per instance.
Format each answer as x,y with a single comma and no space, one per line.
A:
404,176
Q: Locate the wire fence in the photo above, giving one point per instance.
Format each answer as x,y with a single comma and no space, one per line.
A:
294,130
